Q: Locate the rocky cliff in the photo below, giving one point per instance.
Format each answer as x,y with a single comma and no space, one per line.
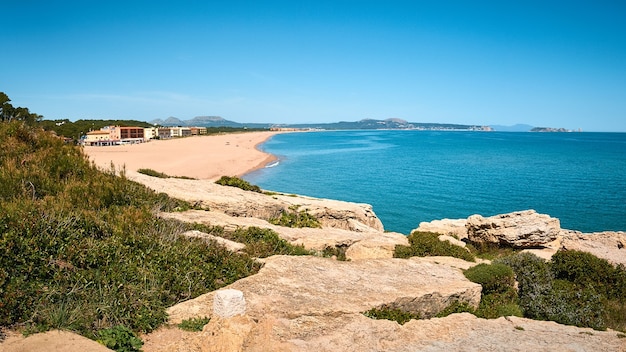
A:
316,304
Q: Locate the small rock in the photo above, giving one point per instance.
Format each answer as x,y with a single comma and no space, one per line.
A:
229,303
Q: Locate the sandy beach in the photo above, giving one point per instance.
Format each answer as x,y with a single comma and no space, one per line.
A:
201,157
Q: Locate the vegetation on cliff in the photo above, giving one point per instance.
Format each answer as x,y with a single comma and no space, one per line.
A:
422,244
234,181
80,249
574,288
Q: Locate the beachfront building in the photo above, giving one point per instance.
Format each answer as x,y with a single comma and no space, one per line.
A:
197,131
150,133
115,135
175,132
98,138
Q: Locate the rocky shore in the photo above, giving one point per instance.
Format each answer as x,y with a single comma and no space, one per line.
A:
315,304
312,303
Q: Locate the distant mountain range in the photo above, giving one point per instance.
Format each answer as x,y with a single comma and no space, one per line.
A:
365,124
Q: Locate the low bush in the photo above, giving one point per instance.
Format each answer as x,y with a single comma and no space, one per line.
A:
456,307
234,181
338,251
263,243
586,270
494,278
295,218
194,324
499,297
397,315
120,338
543,296
152,173
423,244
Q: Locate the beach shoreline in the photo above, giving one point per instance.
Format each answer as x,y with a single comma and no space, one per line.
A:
201,157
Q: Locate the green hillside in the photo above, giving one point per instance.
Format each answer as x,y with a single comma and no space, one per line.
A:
81,249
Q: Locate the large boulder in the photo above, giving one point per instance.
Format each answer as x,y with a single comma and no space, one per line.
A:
239,203
521,229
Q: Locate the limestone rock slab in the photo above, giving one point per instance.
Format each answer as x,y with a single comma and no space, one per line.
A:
239,203
359,245
290,287
607,245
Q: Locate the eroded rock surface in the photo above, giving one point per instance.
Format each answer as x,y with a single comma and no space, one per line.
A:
518,229
239,203
290,287
607,245
368,244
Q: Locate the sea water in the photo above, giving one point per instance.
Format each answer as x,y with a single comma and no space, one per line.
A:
410,176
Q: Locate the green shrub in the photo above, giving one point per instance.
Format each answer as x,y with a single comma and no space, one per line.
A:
338,251
394,314
494,278
490,251
234,181
81,249
456,307
120,338
494,305
263,243
543,297
152,173
295,218
499,297
194,324
586,270
423,244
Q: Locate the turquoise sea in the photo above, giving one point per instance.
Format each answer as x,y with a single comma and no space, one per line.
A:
412,176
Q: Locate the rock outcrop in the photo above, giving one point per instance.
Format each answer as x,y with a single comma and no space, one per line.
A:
289,287
518,229
239,203
607,245
368,244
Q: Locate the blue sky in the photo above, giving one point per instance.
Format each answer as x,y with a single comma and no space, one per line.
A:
543,63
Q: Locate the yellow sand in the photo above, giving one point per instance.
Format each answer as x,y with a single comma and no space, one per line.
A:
202,157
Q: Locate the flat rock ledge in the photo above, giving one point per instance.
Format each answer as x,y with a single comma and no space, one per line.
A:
295,286
369,244
315,304
239,203
609,245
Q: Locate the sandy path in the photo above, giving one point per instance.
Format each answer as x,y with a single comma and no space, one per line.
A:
202,157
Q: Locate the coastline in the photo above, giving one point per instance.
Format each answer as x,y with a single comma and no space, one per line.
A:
201,157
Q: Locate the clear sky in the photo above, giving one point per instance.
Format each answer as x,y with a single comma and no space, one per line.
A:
543,63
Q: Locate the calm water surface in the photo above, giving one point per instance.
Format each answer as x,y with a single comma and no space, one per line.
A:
415,176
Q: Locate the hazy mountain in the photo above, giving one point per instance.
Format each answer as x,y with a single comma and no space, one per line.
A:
515,128
369,124
365,124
